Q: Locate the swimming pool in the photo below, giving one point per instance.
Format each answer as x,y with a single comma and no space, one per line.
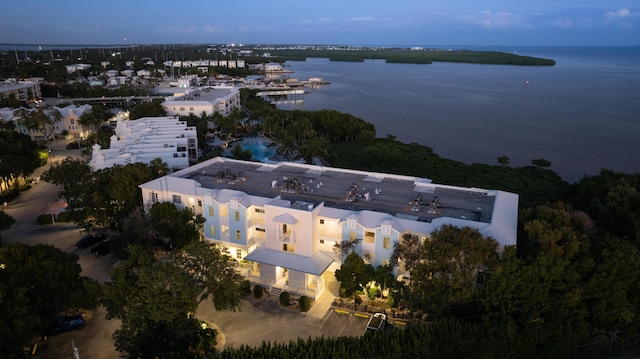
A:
259,148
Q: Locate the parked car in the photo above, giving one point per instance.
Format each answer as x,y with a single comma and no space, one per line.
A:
90,239
66,324
377,322
101,249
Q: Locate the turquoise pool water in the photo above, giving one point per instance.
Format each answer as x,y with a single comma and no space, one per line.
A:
259,148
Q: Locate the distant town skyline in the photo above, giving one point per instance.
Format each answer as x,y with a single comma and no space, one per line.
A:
357,22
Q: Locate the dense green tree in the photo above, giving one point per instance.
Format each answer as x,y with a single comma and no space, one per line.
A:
36,283
153,299
102,199
19,157
95,117
612,199
151,108
541,162
41,120
354,274
503,161
214,271
178,227
450,262
6,221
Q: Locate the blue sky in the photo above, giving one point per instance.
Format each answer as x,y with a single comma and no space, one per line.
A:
344,22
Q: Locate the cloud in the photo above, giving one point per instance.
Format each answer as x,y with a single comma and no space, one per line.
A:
621,13
208,29
490,20
564,23
364,18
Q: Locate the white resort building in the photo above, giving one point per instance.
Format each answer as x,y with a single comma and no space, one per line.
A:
148,138
280,221
208,100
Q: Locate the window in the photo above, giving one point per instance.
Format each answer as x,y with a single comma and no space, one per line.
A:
352,235
259,210
199,202
177,199
259,229
72,121
386,242
287,247
351,223
154,197
238,235
192,142
181,149
322,241
322,221
239,253
181,108
213,230
191,109
369,237
224,211
211,211
236,216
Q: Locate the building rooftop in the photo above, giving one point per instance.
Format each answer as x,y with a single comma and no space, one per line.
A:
401,196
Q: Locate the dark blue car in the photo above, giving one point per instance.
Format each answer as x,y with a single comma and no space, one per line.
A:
90,239
66,324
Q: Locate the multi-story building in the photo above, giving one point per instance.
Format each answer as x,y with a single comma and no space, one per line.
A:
23,90
146,139
208,100
281,221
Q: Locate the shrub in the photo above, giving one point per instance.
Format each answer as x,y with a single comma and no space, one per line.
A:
285,298
258,291
374,292
305,303
44,219
393,298
64,217
245,287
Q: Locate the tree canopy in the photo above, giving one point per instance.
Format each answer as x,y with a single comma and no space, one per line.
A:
36,283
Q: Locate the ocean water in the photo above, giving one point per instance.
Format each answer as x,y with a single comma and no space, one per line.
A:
582,114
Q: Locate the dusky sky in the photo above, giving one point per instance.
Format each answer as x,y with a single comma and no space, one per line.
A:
343,22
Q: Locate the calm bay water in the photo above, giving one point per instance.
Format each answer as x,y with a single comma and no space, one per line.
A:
582,114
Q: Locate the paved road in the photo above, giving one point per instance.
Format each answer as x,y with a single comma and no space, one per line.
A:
255,322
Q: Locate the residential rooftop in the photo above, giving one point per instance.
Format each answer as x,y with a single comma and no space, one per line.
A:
406,197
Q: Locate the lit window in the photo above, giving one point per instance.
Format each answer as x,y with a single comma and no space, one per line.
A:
239,253
238,235
213,230
352,235
386,242
211,211
236,216
369,237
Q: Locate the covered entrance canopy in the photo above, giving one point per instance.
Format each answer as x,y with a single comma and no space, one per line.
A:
315,265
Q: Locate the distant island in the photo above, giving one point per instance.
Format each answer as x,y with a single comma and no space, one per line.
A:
408,55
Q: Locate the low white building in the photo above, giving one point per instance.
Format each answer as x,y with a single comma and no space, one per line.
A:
77,67
23,90
146,139
281,221
208,100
